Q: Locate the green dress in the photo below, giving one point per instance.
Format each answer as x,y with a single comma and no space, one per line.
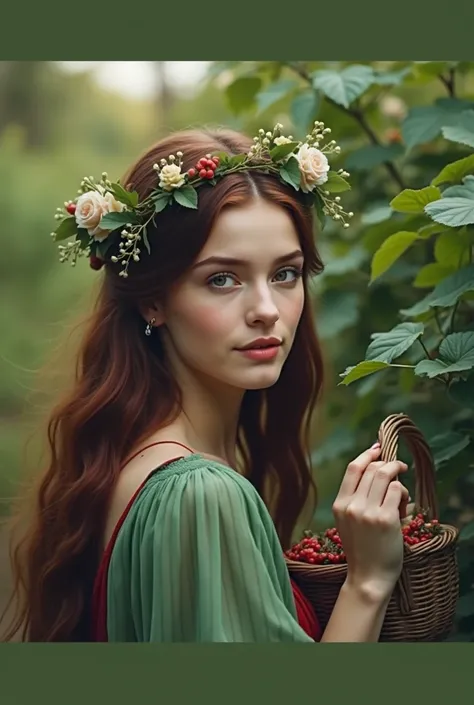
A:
195,558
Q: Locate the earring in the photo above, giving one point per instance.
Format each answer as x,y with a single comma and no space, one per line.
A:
149,326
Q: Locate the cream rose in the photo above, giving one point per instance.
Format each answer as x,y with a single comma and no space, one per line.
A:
90,207
171,177
314,167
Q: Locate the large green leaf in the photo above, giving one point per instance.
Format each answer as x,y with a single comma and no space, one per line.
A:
375,213
463,130
452,249
454,212
242,93
445,446
431,274
371,156
456,354
273,93
467,534
336,183
414,200
344,86
303,110
283,150
392,78
345,263
67,228
129,198
186,196
446,293
455,172
466,189
393,248
290,172
424,123
362,369
111,221
387,346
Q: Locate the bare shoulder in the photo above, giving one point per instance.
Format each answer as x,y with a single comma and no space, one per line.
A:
159,449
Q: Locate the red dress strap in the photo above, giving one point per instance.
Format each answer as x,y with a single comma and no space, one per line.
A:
157,443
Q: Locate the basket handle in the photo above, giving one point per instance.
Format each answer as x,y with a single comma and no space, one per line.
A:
390,430
400,425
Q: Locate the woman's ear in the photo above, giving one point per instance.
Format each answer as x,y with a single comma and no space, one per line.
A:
150,312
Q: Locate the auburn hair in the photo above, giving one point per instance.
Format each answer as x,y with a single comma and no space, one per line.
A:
123,391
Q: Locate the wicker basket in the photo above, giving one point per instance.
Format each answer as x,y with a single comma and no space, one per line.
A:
423,603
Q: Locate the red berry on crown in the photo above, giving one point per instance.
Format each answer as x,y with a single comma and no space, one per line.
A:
71,208
95,262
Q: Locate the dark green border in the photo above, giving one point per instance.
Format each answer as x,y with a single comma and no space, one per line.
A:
338,30
330,673
79,674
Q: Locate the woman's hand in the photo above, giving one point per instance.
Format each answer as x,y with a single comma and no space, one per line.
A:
369,509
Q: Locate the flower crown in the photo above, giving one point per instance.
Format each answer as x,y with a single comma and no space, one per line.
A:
105,215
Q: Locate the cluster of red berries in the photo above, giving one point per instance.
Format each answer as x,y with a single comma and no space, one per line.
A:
205,167
326,547
420,530
318,549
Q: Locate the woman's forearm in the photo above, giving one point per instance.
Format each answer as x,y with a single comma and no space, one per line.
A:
357,616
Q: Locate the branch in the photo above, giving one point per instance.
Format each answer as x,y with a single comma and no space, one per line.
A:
358,115
449,82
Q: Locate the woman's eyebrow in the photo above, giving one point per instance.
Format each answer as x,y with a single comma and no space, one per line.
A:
242,262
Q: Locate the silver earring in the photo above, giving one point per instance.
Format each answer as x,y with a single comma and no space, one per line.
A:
149,326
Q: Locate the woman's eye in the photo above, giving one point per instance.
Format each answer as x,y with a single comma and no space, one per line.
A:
217,281
297,273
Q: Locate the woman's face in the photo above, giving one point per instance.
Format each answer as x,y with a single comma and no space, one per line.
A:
222,306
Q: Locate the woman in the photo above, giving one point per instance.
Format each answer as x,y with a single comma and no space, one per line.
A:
179,460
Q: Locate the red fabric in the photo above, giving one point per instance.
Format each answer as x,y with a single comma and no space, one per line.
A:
306,616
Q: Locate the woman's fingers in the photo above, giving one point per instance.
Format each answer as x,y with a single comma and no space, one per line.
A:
383,477
396,498
354,472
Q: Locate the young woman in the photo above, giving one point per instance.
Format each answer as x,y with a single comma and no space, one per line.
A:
179,460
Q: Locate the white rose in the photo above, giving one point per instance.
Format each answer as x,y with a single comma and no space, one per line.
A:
171,177
90,207
314,167
281,140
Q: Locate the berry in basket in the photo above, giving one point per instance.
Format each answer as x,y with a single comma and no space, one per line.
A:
325,548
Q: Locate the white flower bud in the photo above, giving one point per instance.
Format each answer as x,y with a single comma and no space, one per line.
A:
163,162
136,258
326,131
337,217
338,199
105,176
269,135
346,225
172,158
179,154
266,141
350,214
114,258
261,132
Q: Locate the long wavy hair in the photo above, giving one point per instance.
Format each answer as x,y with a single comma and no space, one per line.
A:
123,391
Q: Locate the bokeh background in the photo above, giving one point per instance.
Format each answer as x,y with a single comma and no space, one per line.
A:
399,124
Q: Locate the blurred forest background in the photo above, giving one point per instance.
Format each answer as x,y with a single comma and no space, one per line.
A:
394,306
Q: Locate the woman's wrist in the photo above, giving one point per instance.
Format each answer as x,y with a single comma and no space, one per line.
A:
372,591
